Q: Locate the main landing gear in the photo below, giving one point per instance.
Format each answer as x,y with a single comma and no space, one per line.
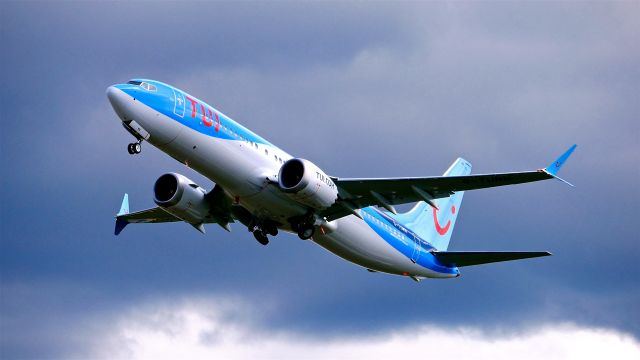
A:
261,237
261,232
135,148
304,226
305,231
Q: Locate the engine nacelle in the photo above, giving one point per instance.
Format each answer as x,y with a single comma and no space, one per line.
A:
307,184
181,197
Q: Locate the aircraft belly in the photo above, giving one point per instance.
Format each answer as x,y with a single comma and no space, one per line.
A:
357,242
269,204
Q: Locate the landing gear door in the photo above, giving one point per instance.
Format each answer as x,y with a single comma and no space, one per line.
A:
178,108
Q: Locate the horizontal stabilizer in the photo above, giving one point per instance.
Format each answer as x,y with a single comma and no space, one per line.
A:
469,258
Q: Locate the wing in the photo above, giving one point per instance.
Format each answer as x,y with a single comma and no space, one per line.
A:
158,215
153,215
359,193
469,258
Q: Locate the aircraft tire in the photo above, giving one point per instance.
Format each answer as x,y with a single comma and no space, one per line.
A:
261,237
130,149
137,148
305,232
272,230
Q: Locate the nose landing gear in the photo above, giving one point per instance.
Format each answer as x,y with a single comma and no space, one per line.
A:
135,148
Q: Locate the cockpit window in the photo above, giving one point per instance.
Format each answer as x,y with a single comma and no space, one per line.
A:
148,86
142,84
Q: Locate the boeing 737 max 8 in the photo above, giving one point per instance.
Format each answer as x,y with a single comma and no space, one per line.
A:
268,190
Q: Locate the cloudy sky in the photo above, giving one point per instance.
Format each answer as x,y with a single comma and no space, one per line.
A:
363,90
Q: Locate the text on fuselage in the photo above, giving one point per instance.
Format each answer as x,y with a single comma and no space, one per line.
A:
206,120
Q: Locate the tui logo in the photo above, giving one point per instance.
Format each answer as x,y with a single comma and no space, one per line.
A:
440,229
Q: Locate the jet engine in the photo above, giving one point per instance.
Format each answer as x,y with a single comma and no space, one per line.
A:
307,184
182,198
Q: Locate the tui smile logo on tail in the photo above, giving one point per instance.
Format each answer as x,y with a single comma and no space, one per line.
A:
442,230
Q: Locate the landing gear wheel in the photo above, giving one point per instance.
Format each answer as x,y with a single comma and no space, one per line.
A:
134,148
305,232
272,230
261,237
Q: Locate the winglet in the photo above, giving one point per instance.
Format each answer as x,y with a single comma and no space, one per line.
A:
120,224
553,169
124,210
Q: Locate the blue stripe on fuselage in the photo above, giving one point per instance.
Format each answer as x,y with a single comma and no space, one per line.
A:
163,101
404,240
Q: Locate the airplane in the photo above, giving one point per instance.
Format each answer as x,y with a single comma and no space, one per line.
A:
268,190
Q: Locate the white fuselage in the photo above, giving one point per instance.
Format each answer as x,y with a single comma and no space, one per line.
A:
248,172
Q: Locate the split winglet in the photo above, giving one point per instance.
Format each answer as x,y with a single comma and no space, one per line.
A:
552,170
124,210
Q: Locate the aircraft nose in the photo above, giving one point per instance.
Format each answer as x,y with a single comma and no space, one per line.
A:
112,94
117,98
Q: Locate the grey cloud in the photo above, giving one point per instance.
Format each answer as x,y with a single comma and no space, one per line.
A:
362,91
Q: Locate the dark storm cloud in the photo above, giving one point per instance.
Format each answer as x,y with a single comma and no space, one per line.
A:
362,91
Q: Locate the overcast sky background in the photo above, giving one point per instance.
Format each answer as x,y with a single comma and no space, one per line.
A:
363,90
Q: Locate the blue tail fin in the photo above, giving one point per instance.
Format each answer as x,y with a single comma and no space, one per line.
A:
436,226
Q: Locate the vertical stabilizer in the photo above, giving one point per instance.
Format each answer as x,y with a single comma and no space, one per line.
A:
436,226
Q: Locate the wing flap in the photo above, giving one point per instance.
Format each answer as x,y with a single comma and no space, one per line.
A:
470,258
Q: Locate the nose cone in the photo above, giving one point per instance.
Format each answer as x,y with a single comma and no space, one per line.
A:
113,93
118,100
